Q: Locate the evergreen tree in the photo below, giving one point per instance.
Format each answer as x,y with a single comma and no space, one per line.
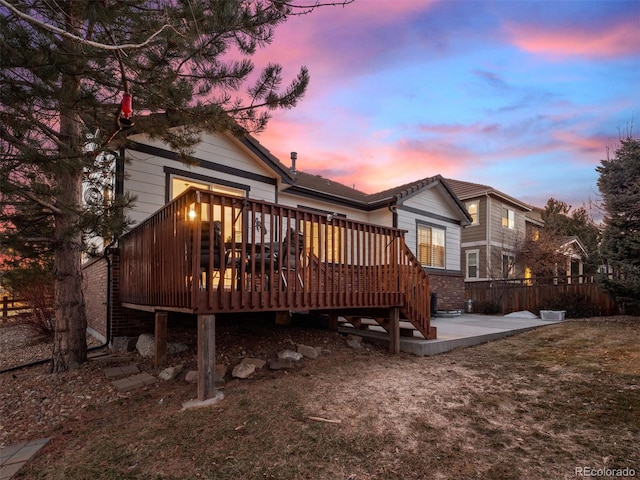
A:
619,184
71,73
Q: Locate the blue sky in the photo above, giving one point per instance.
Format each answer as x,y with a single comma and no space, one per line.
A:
525,96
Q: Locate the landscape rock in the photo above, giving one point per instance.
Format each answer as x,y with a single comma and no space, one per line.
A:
309,352
258,362
219,372
280,363
289,355
171,372
354,341
173,348
192,376
123,344
218,375
243,370
146,345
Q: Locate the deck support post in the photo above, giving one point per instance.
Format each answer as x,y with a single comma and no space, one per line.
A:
394,330
333,322
160,338
206,356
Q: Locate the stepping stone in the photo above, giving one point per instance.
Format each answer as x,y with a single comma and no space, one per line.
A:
133,382
114,373
13,457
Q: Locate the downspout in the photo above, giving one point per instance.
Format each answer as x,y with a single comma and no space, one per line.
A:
119,187
394,211
108,322
107,340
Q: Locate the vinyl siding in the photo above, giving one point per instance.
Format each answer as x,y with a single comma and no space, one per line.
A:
296,201
477,233
437,212
146,177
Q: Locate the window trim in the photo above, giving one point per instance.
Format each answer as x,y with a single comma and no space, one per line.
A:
475,251
477,215
510,219
423,224
172,173
512,261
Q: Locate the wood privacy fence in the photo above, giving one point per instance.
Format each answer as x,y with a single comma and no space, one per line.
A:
11,305
578,295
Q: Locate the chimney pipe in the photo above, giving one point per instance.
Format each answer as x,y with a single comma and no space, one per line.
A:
294,156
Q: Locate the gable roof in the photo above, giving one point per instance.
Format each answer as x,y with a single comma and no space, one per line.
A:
319,187
567,241
467,190
323,188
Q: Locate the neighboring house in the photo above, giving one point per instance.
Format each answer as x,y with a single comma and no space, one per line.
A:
500,225
498,228
239,166
575,253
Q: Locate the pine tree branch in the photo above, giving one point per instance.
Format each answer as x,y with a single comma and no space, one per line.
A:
34,198
84,41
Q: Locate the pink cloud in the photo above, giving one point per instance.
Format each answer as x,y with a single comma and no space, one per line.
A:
329,37
618,40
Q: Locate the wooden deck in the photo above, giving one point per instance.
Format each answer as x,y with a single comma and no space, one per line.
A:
206,253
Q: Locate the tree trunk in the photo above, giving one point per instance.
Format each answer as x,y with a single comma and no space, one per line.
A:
70,341
70,338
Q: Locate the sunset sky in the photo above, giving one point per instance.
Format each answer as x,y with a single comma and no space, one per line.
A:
524,96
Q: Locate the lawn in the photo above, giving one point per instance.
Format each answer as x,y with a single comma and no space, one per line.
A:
539,405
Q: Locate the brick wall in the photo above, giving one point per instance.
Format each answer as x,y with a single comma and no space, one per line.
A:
449,287
124,321
94,285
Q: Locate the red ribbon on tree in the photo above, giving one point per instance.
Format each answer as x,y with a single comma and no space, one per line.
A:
126,106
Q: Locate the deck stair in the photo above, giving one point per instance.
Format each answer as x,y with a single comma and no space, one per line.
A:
407,329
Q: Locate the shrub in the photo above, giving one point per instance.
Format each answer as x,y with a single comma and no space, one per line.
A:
488,308
575,305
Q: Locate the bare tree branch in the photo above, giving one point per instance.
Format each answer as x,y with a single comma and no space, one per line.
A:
84,41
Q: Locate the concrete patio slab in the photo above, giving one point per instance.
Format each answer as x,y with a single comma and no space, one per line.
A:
455,332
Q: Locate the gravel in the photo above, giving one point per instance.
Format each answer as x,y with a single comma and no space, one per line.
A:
34,401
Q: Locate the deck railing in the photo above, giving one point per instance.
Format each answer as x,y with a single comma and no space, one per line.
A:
207,253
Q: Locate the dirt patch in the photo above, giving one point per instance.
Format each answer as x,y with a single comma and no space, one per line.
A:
536,405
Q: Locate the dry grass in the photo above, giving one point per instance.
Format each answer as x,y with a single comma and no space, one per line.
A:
532,406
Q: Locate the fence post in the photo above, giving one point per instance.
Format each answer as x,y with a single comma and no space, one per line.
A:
5,308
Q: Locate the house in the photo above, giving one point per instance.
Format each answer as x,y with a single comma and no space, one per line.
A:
356,252
575,253
499,226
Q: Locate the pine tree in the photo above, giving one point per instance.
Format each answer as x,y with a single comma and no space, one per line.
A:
619,185
69,71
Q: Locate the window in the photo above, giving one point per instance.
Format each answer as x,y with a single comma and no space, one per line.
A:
508,218
472,264
508,266
181,184
535,234
431,246
473,207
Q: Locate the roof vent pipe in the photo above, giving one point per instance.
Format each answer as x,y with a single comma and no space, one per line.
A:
294,157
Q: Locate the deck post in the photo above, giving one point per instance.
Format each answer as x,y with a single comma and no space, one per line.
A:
160,338
333,322
394,330
206,356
